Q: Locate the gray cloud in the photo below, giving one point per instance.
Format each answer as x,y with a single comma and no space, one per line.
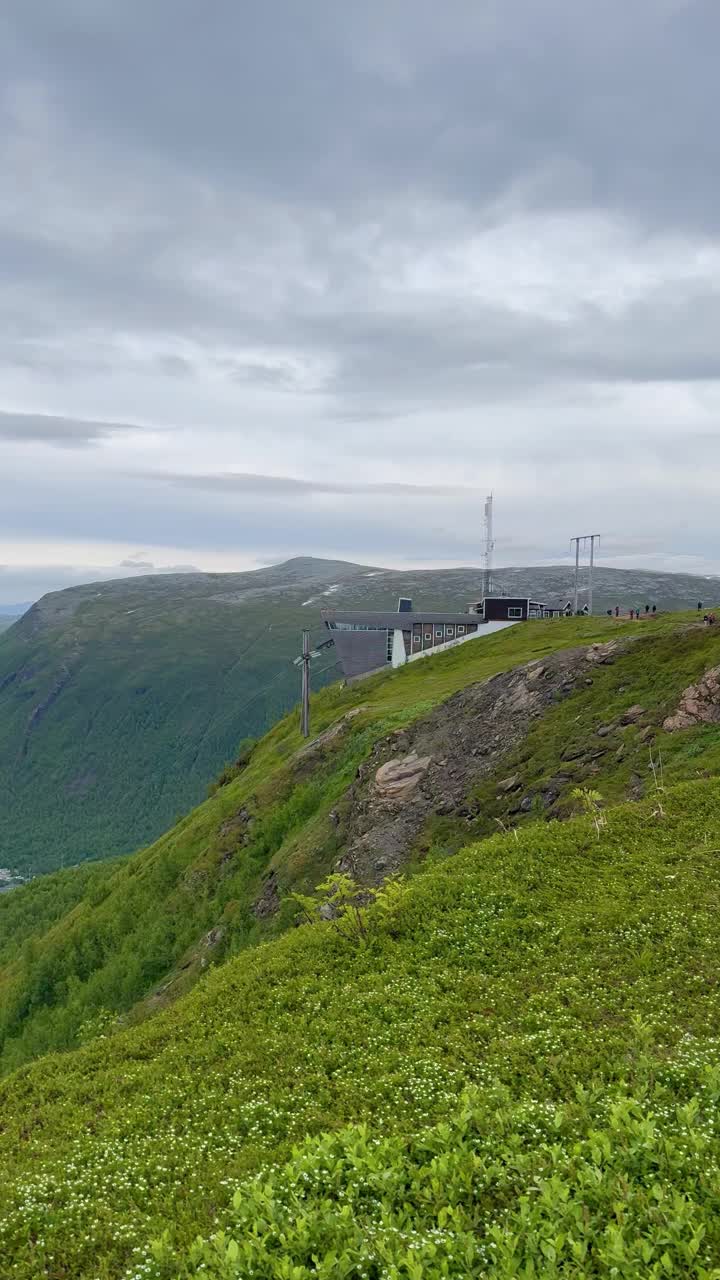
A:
345,256
288,487
45,429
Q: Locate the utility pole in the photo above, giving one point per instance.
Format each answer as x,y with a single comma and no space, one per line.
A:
305,713
583,540
304,661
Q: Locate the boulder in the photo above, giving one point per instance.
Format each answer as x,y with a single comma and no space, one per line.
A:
699,704
509,784
602,654
397,779
633,714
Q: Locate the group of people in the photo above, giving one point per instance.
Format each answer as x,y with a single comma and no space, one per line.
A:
650,612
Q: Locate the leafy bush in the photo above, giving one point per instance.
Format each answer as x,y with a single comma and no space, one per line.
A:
567,986
344,905
600,1187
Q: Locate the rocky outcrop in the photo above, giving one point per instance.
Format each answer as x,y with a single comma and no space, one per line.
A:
632,715
433,766
397,779
603,654
268,904
330,735
700,704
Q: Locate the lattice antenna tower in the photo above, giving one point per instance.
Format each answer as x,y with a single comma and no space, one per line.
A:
489,547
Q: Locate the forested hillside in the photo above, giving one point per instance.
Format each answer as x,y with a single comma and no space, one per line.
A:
120,701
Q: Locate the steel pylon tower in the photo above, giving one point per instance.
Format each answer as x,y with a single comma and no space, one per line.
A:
489,547
583,540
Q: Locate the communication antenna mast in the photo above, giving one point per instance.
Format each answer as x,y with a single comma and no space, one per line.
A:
489,547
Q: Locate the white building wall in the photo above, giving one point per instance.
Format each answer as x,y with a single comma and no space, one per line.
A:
399,656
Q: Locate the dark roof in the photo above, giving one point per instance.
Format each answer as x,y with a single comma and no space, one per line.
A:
393,619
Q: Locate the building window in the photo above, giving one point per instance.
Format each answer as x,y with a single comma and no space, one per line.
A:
416,639
449,631
428,635
390,638
438,633
461,631
514,612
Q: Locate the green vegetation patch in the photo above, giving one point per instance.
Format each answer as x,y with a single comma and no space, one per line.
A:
144,932
568,978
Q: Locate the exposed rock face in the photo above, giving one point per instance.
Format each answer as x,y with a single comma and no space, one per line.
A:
397,779
268,904
633,714
431,766
603,654
317,745
700,704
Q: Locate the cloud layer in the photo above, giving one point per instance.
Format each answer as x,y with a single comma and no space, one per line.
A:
291,279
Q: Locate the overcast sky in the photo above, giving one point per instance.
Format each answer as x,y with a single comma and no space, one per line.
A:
287,278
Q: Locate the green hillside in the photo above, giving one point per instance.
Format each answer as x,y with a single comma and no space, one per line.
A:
506,1067
124,939
144,918
120,701
515,1073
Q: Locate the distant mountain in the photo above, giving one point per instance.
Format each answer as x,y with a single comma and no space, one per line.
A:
120,700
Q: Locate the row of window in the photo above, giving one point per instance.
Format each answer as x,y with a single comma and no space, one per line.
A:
441,633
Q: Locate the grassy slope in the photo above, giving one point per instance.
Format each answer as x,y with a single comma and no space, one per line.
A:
141,931
664,660
163,680
553,973
140,917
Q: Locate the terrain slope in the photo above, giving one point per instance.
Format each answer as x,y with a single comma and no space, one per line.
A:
514,1072
507,1066
402,769
120,701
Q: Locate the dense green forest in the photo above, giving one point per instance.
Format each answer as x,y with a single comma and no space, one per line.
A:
120,701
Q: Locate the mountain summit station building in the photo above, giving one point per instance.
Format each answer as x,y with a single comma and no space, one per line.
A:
368,642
